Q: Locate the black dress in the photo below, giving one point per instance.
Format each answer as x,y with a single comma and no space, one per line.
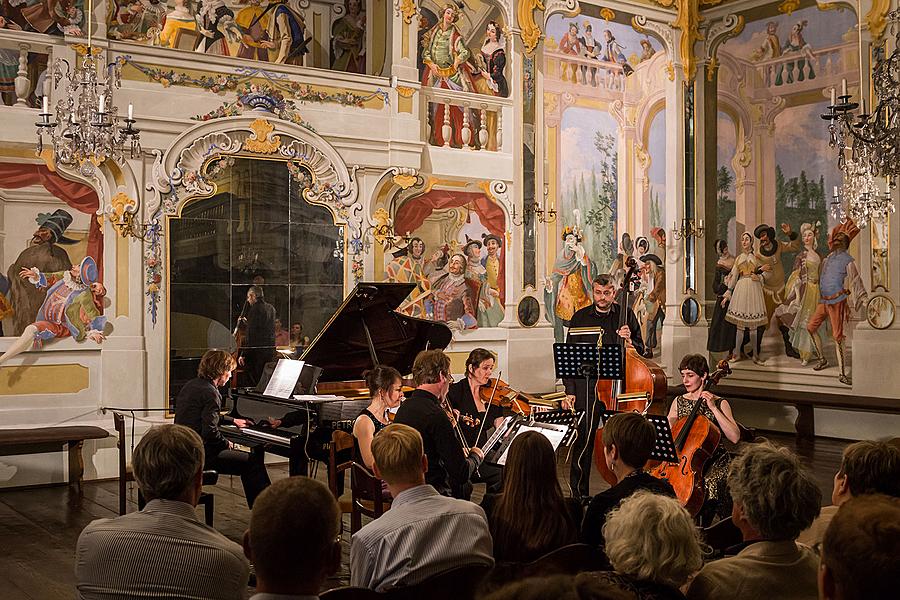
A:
470,420
721,332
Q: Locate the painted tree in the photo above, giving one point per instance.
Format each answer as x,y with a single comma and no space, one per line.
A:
799,200
602,215
725,206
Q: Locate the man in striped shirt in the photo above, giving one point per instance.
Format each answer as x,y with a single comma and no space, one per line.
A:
424,533
163,550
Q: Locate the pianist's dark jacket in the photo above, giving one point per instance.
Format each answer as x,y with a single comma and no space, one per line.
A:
449,469
198,406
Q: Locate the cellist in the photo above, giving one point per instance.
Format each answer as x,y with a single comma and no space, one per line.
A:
694,372
617,327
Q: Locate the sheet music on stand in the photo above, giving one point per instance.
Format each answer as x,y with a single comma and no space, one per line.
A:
664,447
557,426
588,360
284,378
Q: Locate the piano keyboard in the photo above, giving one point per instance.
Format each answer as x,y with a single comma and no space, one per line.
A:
271,437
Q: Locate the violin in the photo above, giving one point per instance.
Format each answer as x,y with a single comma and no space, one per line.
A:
696,439
499,393
454,422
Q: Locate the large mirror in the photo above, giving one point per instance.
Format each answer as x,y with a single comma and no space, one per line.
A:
255,230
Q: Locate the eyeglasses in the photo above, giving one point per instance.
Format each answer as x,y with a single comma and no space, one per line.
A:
449,377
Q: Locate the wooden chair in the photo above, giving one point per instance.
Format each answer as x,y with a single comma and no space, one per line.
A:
720,536
366,494
460,583
125,475
351,593
340,441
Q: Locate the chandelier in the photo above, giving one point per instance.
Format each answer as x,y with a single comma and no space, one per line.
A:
868,144
83,127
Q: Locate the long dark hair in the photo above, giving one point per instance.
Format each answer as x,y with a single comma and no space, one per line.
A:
531,517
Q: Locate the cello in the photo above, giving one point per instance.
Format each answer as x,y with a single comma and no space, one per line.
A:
643,388
696,439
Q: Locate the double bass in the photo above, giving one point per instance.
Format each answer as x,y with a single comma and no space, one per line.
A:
643,389
696,440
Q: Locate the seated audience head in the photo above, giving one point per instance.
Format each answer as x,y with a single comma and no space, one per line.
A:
168,464
293,540
775,497
216,366
399,456
560,587
653,538
385,382
628,439
530,480
867,468
431,372
861,550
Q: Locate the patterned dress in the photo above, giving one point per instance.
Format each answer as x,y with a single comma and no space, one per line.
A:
715,472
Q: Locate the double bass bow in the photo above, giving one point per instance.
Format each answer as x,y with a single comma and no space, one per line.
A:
696,440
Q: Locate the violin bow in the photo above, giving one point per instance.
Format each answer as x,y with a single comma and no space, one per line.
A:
487,407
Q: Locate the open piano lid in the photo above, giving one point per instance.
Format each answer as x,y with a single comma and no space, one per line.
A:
366,330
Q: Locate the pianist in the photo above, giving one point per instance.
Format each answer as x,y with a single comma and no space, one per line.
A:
199,406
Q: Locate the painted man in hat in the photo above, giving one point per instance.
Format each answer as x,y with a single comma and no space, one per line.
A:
490,304
769,256
839,284
43,254
655,300
73,306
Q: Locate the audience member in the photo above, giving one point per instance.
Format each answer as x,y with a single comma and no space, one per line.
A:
866,468
199,405
424,533
531,517
653,545
861,550
628,439
294,539
583,586
163,550
774,500
450,465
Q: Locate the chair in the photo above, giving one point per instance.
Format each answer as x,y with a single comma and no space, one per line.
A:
721,536
367,497
340,441
460,583
351,593
568,560
125,475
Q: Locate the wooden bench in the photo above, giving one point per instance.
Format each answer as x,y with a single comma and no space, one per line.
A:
52,439
806,401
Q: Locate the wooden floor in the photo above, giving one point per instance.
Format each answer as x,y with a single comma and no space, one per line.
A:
40,526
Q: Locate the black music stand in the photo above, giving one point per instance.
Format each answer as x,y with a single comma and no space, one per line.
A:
588,360
664,447
555,429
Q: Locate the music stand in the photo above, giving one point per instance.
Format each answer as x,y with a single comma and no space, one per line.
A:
588,360
664,446
496,449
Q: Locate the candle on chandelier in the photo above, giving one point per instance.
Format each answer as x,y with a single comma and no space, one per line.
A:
130,111
835,191
833,99
46,105
843,87
863,107
700,224
102,108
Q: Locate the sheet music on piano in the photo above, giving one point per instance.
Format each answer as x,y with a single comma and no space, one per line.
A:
284,378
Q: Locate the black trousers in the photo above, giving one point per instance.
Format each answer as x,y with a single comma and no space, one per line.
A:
582,462
249,465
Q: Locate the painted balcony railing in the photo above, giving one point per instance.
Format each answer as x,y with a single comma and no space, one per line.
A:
464,120
805,65
588,72
29,55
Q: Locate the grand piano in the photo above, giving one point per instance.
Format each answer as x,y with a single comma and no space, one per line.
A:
365,331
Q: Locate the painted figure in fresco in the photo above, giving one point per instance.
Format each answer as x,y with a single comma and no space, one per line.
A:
744,297
472,252
137,19
626,251
769,253
570,43
647,50
44,254
771,46
253,21
614,52
408,266
6,309
34,15
454,296
69,17
445,56
659,236
490,300
568,288
839,284
348,39
797,45
590,48
215,22
492,61
177,19
287,34
654,300
722,333
802,294
73,306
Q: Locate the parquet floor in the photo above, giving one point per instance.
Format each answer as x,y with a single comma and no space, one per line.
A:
40,526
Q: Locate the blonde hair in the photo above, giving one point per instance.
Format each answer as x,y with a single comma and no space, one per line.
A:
652,538
398,450
215,363
815,231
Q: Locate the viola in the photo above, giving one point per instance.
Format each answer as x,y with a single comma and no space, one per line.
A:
499,393
696,439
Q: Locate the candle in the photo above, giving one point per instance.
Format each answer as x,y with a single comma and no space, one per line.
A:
130,111
833,99
46,105
843,87
835,191
863,112
102,108
701,223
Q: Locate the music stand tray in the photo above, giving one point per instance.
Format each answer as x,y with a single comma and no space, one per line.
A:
664,446
588,360
557,426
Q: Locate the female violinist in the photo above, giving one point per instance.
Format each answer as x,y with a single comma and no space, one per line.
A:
694,374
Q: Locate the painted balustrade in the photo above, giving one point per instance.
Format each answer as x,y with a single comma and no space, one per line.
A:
584,71
805,65
464,120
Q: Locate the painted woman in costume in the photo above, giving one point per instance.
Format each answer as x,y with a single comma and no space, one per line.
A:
745,298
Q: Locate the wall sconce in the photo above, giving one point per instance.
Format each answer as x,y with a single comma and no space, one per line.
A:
122,214
689,228
536,211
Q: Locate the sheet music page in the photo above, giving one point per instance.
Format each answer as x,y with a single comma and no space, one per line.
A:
284,378
554,433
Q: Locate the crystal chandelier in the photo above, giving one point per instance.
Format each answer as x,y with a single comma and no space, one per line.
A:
868,144
84,131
